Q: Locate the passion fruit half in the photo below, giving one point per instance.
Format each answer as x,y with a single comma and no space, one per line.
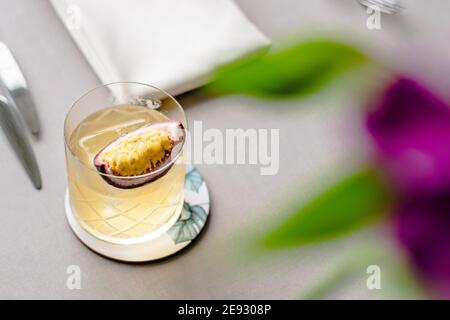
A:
140,156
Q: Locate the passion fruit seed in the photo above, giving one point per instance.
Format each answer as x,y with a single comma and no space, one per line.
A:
138,154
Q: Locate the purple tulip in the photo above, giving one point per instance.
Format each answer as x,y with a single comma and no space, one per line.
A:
411,128
423,228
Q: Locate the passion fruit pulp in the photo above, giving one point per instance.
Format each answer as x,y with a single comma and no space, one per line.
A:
140,156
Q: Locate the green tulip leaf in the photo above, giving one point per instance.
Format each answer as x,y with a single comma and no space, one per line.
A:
352,203
297,71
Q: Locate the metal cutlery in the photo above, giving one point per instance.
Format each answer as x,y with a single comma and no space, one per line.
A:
17,111
14,129
15,83
386,6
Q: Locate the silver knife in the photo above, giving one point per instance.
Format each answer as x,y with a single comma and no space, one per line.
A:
15,83
14,129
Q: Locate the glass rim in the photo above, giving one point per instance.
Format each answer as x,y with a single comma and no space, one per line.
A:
66,138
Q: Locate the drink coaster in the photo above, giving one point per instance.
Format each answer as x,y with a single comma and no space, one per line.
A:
192,219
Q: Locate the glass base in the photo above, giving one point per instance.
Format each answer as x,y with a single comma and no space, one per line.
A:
190,223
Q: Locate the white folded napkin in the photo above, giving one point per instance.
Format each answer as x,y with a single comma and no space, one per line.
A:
171,44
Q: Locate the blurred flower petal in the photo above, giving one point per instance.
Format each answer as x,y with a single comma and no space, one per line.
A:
423,226
411,127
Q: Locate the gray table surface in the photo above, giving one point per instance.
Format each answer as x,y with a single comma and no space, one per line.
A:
320,140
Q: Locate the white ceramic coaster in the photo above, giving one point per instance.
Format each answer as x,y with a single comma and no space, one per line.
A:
190,223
